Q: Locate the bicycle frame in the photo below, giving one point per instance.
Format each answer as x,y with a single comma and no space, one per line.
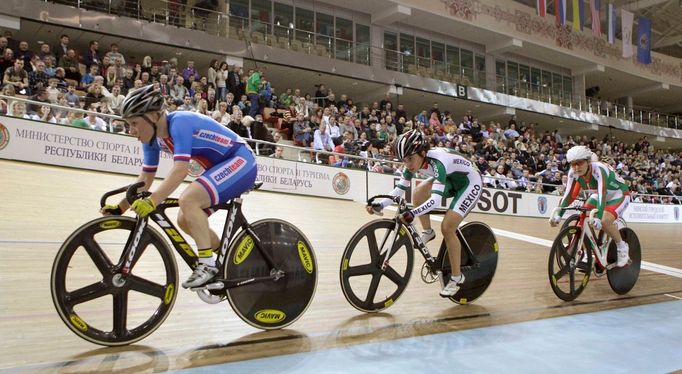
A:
600,250
434,263
234,223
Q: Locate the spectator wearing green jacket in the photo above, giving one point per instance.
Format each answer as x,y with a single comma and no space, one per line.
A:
253,85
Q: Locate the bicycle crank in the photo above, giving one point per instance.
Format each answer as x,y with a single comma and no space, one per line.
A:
209,298
427,275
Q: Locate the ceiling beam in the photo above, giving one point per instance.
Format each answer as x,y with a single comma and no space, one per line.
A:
591,68
647,89
503,46
391,15
664,42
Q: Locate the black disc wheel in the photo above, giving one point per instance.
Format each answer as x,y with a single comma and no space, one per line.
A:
479,271
364,284
92,297
622,280
276,303
569,266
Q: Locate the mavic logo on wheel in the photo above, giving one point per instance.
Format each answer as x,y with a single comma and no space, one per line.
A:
108,225
78,322
269,316
243,250
306,259
170,291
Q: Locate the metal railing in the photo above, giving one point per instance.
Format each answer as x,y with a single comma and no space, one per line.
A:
110,119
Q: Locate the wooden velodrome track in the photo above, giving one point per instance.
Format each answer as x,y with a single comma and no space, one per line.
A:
40,206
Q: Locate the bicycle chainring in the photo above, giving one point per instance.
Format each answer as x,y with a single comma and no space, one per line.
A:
427,275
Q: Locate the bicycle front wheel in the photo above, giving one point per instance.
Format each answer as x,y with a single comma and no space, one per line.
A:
91,296
569,267
365,286
278,303
572,220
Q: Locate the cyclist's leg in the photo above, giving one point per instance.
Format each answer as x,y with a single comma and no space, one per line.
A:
222,182
449,229
614,209
466,195
184,226
421,193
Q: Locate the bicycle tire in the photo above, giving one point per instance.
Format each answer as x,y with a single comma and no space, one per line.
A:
572,220
65,300
399,276
622,280
565,255
279,303
484,246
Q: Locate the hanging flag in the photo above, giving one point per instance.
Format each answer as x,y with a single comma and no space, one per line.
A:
560,12
541,7
612,23
644,40
595,12
627,18
578,15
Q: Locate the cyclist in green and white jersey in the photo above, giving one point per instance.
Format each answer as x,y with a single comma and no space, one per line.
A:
450,175
608,193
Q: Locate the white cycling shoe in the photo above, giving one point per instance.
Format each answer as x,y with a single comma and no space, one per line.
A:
623,255
452,287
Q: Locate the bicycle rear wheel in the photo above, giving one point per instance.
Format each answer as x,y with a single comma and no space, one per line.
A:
92,298
565,258
622,280
479,275
366,287
278,303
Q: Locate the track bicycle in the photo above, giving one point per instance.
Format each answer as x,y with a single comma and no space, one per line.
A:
577,252
377,262
113,294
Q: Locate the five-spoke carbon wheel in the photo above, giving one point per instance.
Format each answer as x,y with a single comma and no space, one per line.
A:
93,298
569,266
364,284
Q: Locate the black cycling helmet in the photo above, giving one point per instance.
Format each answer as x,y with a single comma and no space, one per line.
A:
141,101
409,143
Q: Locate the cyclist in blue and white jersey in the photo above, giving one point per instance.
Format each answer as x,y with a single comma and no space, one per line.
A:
450,175
229,163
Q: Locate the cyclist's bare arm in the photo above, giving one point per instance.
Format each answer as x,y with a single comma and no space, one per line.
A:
175,177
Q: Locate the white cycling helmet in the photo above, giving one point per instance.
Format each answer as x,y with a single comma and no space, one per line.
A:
579,152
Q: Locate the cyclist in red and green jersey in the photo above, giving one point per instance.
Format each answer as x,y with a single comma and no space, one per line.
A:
609,194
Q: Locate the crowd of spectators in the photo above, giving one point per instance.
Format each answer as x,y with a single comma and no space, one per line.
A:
514,155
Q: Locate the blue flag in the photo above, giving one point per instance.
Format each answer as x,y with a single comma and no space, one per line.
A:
644,40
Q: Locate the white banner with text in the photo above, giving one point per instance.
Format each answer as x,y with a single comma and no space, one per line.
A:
529,204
